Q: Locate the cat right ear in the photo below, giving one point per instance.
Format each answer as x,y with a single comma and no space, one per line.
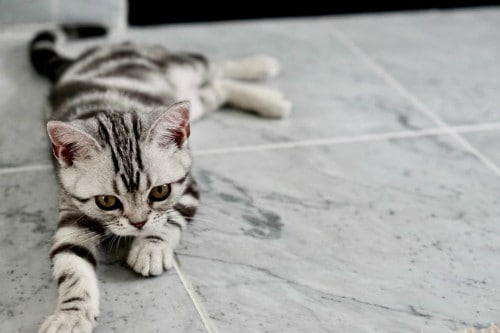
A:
70,143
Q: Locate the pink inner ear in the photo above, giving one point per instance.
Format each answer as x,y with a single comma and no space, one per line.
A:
64,153
62,150
172,126
182,133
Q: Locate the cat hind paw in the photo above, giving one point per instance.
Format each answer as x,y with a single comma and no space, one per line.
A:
255,67
275,105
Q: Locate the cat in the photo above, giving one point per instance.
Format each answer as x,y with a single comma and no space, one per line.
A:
119,124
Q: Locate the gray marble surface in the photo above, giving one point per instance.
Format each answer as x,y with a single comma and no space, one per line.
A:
344,238
450,61
487,142
23,138
384,235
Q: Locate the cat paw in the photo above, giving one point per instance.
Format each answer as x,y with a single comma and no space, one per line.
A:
148,258
256,67
262,66
276,105
67,322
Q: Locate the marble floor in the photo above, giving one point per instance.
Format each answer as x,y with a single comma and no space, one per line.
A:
372,208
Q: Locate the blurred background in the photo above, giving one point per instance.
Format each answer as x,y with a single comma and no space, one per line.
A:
19,14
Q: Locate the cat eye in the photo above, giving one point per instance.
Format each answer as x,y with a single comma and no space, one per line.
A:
159,193
107,202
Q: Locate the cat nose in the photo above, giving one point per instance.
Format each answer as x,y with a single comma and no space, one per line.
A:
138,225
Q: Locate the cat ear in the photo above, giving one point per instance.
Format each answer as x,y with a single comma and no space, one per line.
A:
69,142
172,126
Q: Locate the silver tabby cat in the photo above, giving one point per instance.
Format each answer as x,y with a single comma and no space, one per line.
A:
119,127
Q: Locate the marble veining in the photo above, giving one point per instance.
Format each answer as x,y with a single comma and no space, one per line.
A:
448,59
364,244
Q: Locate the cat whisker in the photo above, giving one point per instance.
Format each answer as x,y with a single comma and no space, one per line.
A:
81,235
198,218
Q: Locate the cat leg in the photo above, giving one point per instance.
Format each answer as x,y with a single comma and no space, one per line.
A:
203,84
194,79
264,101
153,253
73,257
256,67
210,97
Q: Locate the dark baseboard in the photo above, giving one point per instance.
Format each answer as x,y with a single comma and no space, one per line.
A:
144,12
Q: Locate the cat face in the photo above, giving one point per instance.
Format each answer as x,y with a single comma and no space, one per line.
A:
125,172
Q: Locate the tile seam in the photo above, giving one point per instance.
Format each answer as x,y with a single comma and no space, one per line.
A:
417,103
373,137
193,295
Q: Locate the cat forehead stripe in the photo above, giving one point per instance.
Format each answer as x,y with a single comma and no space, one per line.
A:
121,132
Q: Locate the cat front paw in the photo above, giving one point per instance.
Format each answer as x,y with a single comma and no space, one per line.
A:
64,321
150,258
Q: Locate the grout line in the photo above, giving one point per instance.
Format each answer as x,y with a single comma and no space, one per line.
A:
351,139
414,100
476,152
202,311
312,143
26,168
323,142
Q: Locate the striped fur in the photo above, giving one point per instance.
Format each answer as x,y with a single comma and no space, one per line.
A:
119,129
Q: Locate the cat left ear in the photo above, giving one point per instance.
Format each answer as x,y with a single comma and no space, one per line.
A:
172,126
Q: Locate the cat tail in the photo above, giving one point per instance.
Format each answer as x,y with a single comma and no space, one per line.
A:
42,49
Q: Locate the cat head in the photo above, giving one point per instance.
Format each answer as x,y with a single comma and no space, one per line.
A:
124,169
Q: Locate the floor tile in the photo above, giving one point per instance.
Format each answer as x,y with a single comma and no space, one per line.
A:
395,236
448,59
487,143
332,94
22,132
129,303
